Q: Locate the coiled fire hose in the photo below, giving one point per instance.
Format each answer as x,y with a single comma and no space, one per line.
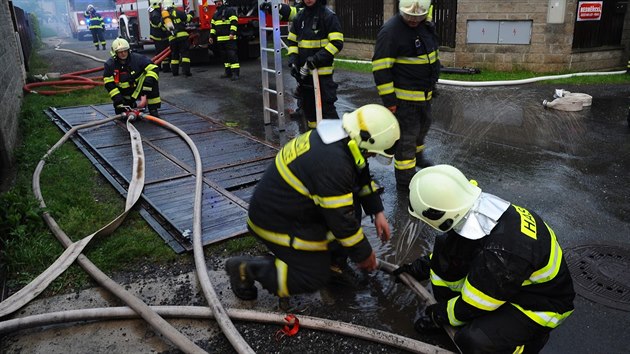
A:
78,82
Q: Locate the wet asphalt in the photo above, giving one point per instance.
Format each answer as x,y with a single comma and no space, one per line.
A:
572,168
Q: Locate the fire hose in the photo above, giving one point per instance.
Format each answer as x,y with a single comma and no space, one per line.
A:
78,82
139,308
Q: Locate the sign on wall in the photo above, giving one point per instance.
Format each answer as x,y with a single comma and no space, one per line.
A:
589,10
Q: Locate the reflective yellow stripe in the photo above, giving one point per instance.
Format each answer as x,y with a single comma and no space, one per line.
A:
450,311
175,61
410,95
290,178
545,318
314,43
335,36
331,48
108,79
333,202
519,349
419,149
404,164
353,239
235,66
114,92
282,269
233,28
154,100
383,63
551,269
478,299
292,37
292,50
325,70
420,60
455,286
385,89
233,18
368,189
287,241
124,85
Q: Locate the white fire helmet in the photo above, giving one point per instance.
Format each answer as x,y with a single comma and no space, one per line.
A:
441,196
119,45
374,128
414,7
167,4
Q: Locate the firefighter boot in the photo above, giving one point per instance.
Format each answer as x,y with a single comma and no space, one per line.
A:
241,278
103,46
422,161
227,74
186,68
166,67
235,74
154,112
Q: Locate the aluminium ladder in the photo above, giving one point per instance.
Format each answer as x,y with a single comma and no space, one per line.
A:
276,70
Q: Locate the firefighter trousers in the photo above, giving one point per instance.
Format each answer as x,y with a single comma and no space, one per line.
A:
294,271
328,91
180,53
414,120
228,52
98,37
502,331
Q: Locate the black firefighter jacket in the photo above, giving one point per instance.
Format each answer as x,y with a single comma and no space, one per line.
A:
125,80
405,62
315,31
224,23
518,264
306,198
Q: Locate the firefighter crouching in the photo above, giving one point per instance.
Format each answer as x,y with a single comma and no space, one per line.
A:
128,76
306,200
178,38
498,273
223,35
96,26
158,33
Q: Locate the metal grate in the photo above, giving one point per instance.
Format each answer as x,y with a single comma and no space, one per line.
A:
600,273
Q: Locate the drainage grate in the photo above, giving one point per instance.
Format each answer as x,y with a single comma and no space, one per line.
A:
600,273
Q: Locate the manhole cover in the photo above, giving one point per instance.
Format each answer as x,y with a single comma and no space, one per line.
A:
600,273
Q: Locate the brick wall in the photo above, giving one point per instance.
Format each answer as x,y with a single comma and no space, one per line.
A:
550,49
12,77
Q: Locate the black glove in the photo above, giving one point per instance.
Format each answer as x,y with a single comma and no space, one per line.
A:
310,62
429,320
120,108
266,7
419,269
295,72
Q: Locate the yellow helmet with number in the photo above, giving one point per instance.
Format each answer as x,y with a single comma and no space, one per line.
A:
374,128
441,196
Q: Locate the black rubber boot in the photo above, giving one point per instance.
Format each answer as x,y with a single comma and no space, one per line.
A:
422,161
103,46
154,112
235,75
241,278
227,74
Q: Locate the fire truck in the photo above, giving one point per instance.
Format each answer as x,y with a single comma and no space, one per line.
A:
79,26
133,19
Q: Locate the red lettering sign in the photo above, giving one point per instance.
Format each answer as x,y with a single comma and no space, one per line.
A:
589,10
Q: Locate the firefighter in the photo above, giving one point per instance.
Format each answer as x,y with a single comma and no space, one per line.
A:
498,273
223,33
178,39
314,39
96,25
305,200
406,68
158,33
128,76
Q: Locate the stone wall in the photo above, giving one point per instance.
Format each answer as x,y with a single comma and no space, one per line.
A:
12,77
550,49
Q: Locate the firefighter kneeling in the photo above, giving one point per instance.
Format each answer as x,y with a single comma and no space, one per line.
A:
308,198
128,76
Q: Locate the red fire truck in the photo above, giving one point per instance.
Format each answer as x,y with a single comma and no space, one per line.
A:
79,26
133,19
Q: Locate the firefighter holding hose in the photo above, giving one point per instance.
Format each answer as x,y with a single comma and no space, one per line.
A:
129,76
498,273
308,198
